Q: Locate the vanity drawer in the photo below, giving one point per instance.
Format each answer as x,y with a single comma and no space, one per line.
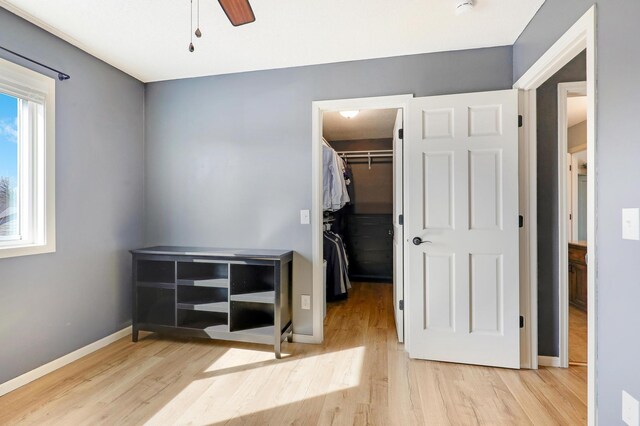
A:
577,254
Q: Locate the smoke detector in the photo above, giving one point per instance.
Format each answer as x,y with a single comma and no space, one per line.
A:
463,6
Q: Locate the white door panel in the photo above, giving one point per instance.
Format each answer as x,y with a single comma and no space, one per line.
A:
398,228
462,200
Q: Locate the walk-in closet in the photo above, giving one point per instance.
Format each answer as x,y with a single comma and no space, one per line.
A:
358,199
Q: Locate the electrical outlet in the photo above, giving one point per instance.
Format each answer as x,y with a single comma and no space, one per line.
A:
305,301
630,410
304,217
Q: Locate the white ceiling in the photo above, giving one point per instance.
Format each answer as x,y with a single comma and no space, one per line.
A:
368,124
148,38
576,110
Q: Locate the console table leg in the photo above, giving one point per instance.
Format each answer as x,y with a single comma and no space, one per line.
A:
134,335
277,349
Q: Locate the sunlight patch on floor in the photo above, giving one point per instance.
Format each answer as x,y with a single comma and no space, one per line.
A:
218,397
235,357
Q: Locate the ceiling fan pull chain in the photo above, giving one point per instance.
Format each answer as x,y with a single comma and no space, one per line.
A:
198,32
191,47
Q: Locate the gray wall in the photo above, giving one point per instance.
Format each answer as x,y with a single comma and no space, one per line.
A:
548,229
618,181
228,158
53,304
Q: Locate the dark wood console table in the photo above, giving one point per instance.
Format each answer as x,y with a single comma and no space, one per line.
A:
226,294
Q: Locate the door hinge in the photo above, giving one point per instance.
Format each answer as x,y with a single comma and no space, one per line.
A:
400,133
521,321
400,218
519,121
570,168
401,303
521,221
570,216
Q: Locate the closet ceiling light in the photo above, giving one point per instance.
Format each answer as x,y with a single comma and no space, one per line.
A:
463,6
349,114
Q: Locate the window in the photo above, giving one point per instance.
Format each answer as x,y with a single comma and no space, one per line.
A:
9,217
27,162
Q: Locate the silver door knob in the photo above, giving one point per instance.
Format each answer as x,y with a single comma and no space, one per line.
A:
417,241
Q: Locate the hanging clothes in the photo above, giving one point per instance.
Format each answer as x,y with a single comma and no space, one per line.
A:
335,194
334,253
339,225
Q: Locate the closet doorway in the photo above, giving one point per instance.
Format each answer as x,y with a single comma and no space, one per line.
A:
359,222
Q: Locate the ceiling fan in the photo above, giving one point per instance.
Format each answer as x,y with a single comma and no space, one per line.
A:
239,12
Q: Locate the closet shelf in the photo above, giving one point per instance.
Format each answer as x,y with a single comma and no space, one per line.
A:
257,297
205,306
375,153
205,282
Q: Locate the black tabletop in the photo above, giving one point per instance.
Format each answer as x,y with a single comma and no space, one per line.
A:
217,252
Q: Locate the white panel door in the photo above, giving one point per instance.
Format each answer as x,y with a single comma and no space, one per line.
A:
462,228
398,231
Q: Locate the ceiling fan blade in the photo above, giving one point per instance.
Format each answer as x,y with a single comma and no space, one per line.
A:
239,12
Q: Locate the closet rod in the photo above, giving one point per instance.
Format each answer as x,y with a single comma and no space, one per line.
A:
61,75
366,155
375,151
380,153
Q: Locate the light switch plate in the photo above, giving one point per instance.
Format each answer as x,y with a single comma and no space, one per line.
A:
304,217
630,410
305,301
631,224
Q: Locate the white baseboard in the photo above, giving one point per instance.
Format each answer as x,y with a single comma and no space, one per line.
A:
305,338
549,361
32,375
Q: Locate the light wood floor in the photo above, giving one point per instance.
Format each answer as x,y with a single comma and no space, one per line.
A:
360,375
577,335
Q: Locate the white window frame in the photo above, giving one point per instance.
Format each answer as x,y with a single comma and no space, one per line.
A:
36,199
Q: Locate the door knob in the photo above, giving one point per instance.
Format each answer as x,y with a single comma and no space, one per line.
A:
417,241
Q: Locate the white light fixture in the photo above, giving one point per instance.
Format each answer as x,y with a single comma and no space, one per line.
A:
349,114
463,6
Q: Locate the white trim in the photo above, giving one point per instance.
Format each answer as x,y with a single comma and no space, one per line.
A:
56,364
528,246
304,338
564,89
317,108
35,87
568,46
579,37
548,361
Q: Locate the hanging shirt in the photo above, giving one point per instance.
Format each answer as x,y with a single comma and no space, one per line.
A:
334,195
344,198
335,270
337,265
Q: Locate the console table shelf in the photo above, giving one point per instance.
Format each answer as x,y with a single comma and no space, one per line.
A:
258,297
205,282
239,295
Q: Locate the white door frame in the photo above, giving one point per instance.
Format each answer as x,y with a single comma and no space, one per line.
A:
317,108
564,90
579,37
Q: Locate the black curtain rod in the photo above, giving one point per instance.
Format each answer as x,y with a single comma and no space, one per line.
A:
61,75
